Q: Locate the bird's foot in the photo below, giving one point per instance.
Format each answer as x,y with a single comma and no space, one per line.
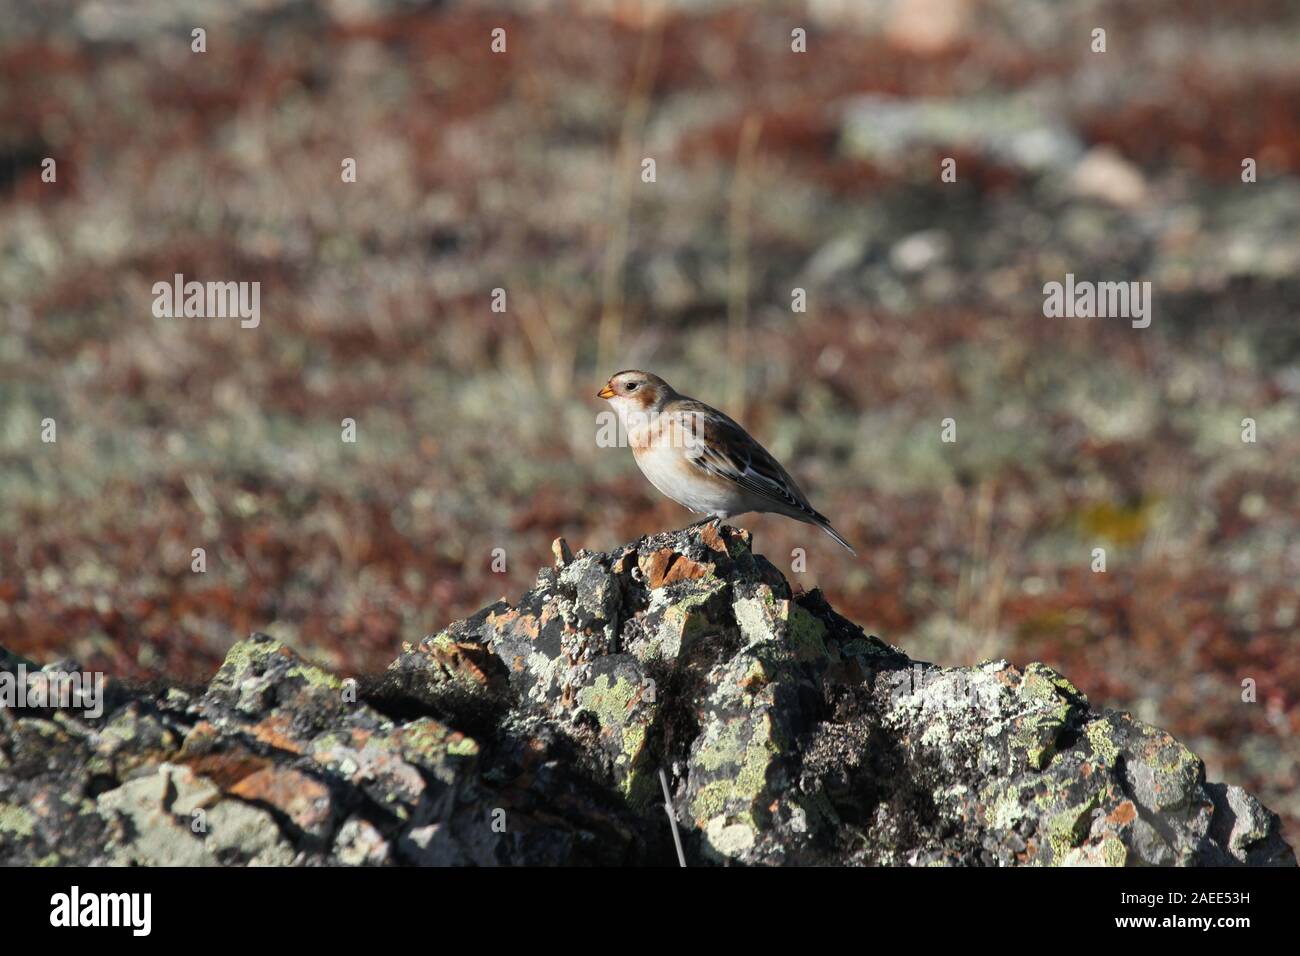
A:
696,524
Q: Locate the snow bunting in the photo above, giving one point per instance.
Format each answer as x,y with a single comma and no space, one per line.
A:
700,458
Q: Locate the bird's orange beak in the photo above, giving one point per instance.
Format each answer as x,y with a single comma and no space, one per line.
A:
605,392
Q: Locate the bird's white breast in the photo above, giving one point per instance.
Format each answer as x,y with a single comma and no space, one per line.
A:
661,454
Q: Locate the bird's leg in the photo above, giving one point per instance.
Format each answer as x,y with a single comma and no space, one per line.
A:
695,524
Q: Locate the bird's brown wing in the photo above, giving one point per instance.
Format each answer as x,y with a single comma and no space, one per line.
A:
725,450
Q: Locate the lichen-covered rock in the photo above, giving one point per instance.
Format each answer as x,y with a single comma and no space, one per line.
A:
536,734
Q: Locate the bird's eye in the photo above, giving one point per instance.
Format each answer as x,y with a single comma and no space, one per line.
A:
630,386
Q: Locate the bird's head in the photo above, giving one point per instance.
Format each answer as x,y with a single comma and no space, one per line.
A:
636,392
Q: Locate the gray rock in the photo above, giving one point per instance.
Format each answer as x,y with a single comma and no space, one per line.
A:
535,733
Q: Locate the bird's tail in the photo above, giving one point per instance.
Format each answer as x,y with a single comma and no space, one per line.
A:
809,515
826,526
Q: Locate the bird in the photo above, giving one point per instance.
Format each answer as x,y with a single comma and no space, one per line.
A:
700,458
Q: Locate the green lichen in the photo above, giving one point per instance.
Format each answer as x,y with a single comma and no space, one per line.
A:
329,740
465,747
1056,700
1103,745
701,594
1069,828
315,676
46,728
611,706
807,634
726,748
633,739
1174,759
685,619
1114,852
427,737
750,749
752,779
244,654
711,801
1043,683
1003,808
17,820
1036,736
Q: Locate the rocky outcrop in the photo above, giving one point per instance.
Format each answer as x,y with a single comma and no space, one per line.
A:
545,733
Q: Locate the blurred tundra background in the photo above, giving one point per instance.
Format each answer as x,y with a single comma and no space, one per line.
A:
774,171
